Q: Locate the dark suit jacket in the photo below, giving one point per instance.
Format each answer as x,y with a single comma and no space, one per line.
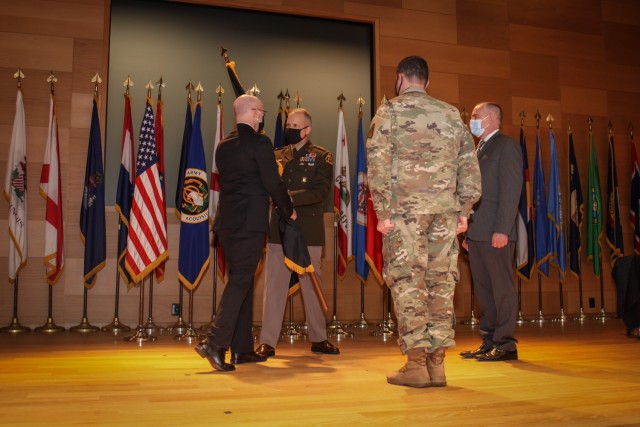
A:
501,169
308,174
248,176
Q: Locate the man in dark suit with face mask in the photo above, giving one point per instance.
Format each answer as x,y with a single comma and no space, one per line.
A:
248,178
307,171
491,235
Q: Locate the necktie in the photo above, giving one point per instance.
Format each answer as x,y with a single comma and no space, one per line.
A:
480,146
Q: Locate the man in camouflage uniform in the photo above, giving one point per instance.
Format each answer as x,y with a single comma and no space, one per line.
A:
424,178
307,171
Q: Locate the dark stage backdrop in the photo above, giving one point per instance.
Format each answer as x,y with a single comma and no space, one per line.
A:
316,58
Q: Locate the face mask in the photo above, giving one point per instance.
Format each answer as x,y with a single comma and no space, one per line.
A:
398,85
475,126
293,136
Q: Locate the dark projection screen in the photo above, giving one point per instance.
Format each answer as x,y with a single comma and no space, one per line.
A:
312,57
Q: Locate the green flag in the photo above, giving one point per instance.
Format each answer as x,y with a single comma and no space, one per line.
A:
594,221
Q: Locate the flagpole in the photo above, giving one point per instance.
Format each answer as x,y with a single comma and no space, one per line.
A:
188,334
384,330
15,326
115,326
214,302
84,326
520,319
540,318
141,334
362,323
335,326
581,317
50,326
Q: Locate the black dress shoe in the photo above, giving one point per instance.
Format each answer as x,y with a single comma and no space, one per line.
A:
478,351
215,356
324,347
497,354
265,350
249,357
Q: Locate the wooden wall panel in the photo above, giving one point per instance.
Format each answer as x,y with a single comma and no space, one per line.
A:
447,58
621,11
570,58
595,74
583,101
35,51
617,38
578,16
535,76
412,24
438,6
557,42
482,24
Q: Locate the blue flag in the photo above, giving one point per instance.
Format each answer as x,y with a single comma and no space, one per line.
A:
576,210
124,195
359,205
184,153
613,227
540,211
92,219
525,248
557,245
194,219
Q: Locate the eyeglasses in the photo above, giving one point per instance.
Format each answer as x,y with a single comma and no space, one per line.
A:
264,112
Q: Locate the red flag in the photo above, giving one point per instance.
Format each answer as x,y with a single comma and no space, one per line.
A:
51,190
342,198
374,242
214,189
147,240
159,125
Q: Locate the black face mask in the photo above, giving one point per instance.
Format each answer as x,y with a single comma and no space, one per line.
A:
293,136
398,86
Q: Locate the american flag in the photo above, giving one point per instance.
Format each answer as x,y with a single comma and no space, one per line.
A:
147,240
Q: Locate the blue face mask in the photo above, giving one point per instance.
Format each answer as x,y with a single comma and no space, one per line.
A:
475,126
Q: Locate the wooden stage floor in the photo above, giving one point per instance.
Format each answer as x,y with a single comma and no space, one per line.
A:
577,373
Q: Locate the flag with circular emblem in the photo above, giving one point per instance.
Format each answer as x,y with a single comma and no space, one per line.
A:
194,218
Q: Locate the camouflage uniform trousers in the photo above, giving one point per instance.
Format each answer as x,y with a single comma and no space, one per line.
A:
421,270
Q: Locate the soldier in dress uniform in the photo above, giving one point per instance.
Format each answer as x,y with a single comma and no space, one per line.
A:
307,171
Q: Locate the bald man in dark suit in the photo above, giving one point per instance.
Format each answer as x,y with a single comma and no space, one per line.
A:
248,179
491,236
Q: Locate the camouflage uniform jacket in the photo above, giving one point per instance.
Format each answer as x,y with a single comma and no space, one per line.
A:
421,158
308,175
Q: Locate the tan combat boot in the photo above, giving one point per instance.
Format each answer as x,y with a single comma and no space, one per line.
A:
435,366
414,373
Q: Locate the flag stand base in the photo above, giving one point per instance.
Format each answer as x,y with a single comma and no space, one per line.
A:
84,326
189,335
140,336
362,323
520,320
473,320
115,327
180,328
49,327
581,317
335,329
540,318
15,327
562,317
